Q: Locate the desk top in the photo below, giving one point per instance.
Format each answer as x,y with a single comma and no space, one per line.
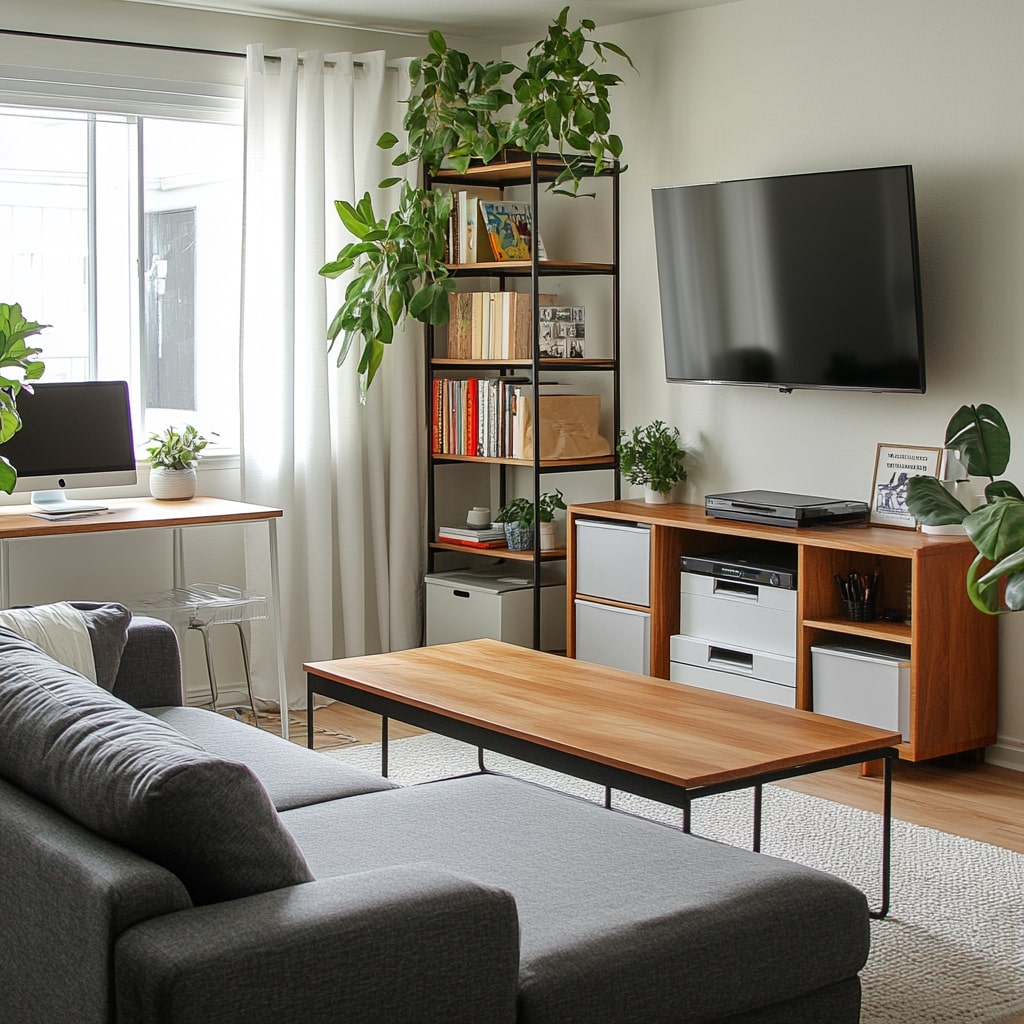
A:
663,730
134,514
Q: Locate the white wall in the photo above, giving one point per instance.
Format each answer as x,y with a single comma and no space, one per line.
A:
779,86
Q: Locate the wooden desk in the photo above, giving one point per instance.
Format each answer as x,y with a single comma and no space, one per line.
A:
145,513
661,740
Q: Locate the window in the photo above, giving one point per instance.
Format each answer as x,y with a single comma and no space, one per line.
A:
123,232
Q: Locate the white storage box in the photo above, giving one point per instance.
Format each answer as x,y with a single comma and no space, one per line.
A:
746,615
863,681
735,670
615,637
464,605
613,561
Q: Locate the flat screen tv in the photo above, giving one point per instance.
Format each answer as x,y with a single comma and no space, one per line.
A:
794,281
73,434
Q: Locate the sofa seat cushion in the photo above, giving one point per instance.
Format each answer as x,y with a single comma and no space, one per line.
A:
133,780
293,776
621,918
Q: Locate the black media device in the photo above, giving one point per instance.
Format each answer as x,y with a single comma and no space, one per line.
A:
768,565
793,281
778,508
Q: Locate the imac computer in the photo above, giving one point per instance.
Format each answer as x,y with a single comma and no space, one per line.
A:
73,434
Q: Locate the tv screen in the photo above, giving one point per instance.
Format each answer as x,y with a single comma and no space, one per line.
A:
73,434
795,281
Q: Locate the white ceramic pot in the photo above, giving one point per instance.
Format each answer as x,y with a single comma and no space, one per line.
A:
653,497
548,536
172,484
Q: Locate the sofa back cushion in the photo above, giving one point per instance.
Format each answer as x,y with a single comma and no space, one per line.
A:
137,782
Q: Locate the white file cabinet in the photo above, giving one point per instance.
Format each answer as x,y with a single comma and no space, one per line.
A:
863,681
613,561
616,637
464,605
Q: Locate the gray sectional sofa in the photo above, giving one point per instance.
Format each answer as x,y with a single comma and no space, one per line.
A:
173,866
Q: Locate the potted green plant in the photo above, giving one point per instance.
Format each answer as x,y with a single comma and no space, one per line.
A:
652,457
173,455
16,356
518,517
981,439
454,118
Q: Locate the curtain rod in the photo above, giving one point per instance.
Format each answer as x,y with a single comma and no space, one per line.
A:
140,46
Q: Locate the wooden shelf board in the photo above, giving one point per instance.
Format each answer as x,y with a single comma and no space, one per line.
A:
443,362
554,555
600,460
897,632
525,267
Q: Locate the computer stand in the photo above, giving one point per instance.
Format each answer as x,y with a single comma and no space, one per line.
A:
56,503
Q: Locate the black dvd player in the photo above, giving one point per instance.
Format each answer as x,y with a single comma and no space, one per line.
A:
769,566
778,508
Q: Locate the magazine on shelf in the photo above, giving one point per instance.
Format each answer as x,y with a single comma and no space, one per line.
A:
562,332
510,231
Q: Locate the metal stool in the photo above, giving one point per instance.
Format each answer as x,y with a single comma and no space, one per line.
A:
200,606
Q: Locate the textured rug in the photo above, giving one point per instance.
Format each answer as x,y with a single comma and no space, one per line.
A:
951,950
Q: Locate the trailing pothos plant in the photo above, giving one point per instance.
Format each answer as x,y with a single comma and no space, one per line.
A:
995,580
455,116
15,355
399,271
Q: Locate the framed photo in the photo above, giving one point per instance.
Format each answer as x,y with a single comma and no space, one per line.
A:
895,464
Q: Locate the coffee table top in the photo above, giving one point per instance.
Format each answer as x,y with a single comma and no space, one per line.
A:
664,730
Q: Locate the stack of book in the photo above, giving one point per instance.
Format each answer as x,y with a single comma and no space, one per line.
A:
476,416
490,537
484,228
491,325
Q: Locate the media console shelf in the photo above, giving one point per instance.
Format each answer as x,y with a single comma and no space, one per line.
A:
953,646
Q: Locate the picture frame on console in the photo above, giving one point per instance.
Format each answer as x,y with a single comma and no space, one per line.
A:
895,464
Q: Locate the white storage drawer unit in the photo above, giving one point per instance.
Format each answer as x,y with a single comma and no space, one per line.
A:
735,670
863,681
464,605
731,613
616,637
613,561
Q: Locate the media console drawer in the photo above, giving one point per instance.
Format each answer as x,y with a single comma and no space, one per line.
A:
750,616
613,561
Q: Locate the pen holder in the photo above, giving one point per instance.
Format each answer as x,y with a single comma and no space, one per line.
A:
860,611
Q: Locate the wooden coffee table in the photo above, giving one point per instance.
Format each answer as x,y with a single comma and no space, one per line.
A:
661,740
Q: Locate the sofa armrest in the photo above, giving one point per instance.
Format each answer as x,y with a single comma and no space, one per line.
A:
410,944
149,675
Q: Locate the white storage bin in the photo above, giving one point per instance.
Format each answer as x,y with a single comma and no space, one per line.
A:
464,605
615,637
732,613
863,681
735,670
613,561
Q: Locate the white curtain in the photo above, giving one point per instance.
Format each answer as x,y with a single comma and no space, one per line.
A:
349,477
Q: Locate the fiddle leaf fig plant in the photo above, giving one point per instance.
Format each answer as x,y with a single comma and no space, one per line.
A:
995,579
399,271
19,357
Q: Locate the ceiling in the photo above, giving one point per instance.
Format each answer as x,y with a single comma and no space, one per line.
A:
493,20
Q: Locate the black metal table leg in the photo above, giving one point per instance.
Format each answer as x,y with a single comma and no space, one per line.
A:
886,837
758,794
384,746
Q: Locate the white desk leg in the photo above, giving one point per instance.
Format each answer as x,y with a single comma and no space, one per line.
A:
5,577
178,558
275,602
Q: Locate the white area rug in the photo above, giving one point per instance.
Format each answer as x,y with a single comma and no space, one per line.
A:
951,950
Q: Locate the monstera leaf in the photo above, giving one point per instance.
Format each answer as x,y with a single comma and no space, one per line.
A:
930,503
981,436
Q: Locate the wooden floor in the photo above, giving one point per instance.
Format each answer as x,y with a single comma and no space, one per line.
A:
978,801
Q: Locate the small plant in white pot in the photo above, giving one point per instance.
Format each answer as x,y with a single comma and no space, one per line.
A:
173,455
518,517
652,457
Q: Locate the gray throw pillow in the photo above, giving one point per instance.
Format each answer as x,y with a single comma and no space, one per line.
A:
106,624
135,781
